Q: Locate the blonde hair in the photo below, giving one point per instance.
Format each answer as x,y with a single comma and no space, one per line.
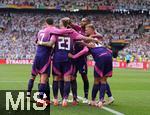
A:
91,26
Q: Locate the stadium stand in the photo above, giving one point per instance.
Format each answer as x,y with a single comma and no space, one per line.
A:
80,4
18,30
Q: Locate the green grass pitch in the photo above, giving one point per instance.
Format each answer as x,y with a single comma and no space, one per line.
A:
130,88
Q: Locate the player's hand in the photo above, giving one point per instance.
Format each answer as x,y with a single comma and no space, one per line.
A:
95,40
79,42
39,42
91,45
70,55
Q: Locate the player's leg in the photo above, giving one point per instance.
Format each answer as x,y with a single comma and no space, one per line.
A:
96,85
66,89
98,73
61,87
105,70
67,72
32,77
42,89
74,85
109,94
95,90
44,63
102,89
30,85
108,91
56,75
55,89
86,87
43,84
74,90
47,92
82,67
108,73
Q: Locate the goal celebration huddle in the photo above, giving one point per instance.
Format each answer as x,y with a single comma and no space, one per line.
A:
64,50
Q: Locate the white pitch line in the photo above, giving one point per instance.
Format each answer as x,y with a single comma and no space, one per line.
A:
112,111
105,108
79,97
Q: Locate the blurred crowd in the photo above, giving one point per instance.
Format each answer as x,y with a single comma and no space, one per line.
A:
18,30
139,50
81,4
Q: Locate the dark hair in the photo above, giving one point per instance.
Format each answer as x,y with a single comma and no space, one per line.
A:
65,22
49,21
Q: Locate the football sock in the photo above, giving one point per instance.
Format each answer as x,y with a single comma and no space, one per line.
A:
55,89
66,89
86,86
94,91
102,89
48,91
61,87
30,86
42,89
108,91
74,89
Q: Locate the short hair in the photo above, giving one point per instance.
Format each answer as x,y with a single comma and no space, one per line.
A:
91,26
49,21
65,22
87,19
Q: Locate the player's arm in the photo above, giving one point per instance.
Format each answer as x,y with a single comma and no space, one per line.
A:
49,43
73,25
82,52
36,41
36,38
58,31
98,36
89,44
87,39
78,36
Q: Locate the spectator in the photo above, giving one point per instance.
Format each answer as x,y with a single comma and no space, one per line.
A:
18,31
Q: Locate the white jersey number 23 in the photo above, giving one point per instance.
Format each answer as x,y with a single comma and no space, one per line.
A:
64,43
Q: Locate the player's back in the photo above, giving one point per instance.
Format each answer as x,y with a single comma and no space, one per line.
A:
99,49
63,45
44,35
